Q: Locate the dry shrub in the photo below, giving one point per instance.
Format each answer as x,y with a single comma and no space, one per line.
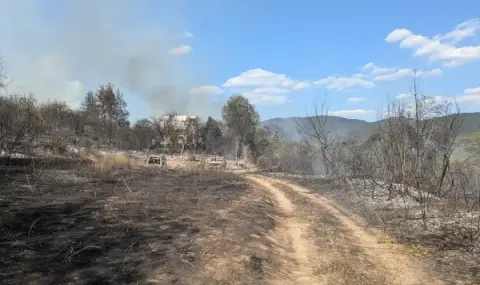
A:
57,145
262,162
414,249
197,168
204,168
193,170
106,165
116,161
190,156
349,270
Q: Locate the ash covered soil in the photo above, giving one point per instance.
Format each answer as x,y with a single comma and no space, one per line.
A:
65,224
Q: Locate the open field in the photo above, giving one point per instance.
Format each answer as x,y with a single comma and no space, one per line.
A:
67,224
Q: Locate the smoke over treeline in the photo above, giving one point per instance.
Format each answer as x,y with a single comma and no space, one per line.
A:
62,49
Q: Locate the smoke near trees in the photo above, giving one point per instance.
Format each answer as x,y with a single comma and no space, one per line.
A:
102,120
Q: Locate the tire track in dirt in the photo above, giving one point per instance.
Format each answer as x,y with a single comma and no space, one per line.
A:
385,256
292,234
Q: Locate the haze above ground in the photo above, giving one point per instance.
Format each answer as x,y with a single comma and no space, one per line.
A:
190,56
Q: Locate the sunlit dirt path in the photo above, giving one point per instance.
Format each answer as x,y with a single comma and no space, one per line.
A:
372,261
292,233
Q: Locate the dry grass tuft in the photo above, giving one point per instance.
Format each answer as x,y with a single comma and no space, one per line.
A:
106,165
111,161
387,240
345,267
414,249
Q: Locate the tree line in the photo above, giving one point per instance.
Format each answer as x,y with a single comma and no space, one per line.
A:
102,120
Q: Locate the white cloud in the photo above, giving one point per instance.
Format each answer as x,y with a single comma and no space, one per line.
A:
408,72
258,77
462,31
368,66
428,73
301,85
409,99
187,34
441,47
390,73
470,95
442,99
288,83
360,75
272,90
475,90
265,87
267,95
397,35
351,113
376,70
403,96
404,72
205,90
341,83
181,50
356,99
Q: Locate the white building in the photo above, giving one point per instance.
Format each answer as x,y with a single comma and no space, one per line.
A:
181,123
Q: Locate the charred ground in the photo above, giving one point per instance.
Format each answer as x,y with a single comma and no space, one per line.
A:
139,226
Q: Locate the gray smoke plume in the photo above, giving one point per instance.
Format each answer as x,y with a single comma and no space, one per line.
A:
61,49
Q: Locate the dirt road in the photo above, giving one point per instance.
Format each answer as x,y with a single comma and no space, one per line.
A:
321,243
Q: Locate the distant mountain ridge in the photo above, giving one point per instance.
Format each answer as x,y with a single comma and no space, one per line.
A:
342,126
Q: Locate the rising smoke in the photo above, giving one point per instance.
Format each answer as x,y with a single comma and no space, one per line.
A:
61,49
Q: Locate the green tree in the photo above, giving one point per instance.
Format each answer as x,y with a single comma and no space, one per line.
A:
211,134
120,110
241,117
89,104
171,132
266,147
112,110
190,133
91,115
143,133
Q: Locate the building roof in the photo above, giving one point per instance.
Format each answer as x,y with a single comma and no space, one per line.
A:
180,118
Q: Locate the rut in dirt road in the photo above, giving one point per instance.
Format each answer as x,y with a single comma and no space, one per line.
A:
294,234
395,268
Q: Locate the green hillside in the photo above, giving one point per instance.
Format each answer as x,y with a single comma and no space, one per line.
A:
342,126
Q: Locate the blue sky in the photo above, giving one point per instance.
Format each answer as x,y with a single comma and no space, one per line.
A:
280,54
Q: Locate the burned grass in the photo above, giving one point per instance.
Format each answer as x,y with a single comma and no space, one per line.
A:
236,245
141,226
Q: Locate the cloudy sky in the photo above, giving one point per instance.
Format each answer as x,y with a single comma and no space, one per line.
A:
189,56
